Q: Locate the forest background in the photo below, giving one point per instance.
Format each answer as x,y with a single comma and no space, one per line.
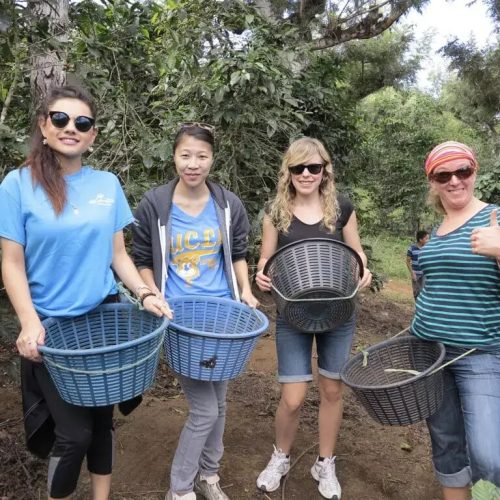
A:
263,72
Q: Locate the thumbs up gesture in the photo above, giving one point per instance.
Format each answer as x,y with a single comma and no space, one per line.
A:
486,240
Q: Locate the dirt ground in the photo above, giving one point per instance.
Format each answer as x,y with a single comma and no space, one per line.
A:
373,462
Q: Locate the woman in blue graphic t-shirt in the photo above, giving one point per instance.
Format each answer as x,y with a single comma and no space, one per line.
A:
61,234
190,237
460,307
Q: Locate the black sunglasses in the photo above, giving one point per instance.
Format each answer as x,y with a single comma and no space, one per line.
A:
314,169
444,177
60,119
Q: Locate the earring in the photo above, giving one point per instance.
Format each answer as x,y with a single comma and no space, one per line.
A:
90,149
44,141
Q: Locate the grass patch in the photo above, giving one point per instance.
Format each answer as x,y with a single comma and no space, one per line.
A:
389,253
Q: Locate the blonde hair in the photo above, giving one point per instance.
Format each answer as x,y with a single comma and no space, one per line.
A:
434,201
281,208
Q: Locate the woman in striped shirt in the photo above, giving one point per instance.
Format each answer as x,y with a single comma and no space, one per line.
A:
460,307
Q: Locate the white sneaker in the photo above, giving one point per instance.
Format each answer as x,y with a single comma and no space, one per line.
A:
324,472
174,496
279,465
209,487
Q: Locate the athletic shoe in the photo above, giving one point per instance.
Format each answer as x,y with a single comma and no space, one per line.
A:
324,472
174,496
209,487
279,465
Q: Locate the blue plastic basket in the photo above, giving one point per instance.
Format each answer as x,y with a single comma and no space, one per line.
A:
106,356
211,338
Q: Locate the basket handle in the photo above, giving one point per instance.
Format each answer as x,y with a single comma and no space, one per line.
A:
445,364
111,370
329,299
451,361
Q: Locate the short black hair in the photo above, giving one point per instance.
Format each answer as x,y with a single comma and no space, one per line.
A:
202,134
421,234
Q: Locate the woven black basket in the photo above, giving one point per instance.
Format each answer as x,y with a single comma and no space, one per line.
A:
315,282
397,397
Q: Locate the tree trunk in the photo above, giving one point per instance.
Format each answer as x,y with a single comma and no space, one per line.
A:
48,56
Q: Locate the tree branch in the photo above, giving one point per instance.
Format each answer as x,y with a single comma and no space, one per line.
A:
367,27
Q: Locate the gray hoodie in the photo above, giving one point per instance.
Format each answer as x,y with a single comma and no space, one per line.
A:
152,231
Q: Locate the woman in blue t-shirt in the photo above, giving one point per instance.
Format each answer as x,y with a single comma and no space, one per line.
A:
61,235
460,307
190,237
307,206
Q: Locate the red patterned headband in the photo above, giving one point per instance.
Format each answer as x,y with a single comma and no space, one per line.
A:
449,151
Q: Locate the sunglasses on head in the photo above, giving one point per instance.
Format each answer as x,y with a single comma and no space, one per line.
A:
60,119
444,177
204,126
314,168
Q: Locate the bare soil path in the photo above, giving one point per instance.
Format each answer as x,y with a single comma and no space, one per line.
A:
374,462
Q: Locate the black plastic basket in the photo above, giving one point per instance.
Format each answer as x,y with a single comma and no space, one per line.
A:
380,379
314,283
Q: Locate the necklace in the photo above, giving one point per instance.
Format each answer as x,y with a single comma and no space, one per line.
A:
80,175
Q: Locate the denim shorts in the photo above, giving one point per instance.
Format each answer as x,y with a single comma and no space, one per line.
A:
465,432
294,350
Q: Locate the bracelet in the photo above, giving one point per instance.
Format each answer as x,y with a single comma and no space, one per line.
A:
140,287
145,296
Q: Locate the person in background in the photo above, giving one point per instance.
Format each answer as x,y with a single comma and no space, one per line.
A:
459,306
422,237
190,238
61,234
307,205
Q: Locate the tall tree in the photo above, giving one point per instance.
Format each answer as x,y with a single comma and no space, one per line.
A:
48,44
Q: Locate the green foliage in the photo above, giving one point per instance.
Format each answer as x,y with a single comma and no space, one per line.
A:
488,183
396,131
475,98
383,61
389,255
484,490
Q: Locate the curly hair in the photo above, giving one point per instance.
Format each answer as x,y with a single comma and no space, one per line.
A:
281,208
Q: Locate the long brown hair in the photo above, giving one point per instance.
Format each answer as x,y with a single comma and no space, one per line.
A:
42,160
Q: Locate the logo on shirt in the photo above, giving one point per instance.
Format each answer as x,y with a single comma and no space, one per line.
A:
101,200
190,250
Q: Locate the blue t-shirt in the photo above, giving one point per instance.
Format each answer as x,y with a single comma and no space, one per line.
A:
413,252
195,265
67,256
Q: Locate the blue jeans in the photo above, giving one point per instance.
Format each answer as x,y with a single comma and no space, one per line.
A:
465,432
294,349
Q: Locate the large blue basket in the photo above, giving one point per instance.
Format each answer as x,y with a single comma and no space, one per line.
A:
106,356
211,338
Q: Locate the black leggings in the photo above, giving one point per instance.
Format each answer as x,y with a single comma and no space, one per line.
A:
79,432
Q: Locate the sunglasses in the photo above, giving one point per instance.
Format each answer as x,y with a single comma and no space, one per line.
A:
314,169
60,119
204,126
444,177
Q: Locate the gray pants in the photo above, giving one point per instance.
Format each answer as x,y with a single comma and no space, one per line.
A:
200,445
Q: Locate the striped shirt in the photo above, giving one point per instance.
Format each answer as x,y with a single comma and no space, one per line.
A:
460,302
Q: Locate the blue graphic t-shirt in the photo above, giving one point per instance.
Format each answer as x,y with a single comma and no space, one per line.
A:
67,256
196,266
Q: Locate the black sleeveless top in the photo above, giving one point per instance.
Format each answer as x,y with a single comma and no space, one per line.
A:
298,230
